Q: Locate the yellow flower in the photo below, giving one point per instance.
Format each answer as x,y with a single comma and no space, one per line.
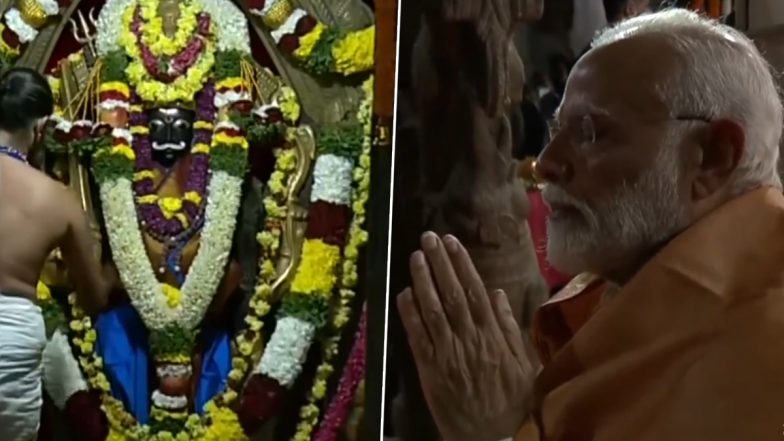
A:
231,83
317,270
123,150
192,196
235,375
354,53
245,349
201,148
183,219
43,293
267,239
140,130
116,86
319,389
239,364
273,209
144,174
287,161
222,138
152,29
86,347
308,41
183,88
225,424
267,269
203,125
276,183
254,324
289,105
170,206
137,108
76,325
172,294
262,308
148,199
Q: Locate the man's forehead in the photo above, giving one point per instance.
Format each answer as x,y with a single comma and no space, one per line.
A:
626,76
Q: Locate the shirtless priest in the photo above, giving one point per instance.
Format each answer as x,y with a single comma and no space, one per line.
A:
37,214
661,176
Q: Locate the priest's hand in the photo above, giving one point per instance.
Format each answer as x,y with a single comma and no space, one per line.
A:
474,366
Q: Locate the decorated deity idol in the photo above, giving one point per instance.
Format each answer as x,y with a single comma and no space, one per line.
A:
235,228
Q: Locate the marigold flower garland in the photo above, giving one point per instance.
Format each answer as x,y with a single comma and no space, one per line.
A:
357,237
183,75
219,422
318,47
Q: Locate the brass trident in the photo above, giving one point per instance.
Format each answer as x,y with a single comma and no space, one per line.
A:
83,32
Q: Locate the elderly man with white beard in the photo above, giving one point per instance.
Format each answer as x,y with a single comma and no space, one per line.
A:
661,176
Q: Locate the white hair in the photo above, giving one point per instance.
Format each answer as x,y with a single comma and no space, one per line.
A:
721,74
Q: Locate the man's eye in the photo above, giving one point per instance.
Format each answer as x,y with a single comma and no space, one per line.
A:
588,130
156,124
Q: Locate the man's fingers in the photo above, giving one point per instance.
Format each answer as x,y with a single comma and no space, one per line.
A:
509,327
473,286
450,290
426,297
418,337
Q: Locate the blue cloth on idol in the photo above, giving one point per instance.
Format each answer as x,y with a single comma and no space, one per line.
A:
122,342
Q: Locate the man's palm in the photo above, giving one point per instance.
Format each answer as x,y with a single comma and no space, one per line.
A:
473,365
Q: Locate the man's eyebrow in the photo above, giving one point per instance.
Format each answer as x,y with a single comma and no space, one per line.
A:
585,109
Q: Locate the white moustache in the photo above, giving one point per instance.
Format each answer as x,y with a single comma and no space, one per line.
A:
556,197
169,146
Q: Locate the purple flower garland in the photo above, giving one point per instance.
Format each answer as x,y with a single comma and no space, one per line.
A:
353,373
153,220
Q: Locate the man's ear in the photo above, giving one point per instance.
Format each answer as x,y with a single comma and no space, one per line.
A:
721,150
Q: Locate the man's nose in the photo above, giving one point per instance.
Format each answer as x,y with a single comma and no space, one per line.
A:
548,168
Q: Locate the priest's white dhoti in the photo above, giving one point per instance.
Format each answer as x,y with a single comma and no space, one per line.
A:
22,341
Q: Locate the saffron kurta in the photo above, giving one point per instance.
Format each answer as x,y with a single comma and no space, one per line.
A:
690,349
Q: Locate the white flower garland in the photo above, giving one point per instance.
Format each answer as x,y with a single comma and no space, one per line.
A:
332,176
114,104
14,20
123,134
231,23
49,6
174,370
289,26
204,275
285,353
110,26
230,97
169,402
62,376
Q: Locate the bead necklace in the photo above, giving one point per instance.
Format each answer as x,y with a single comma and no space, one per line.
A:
14,153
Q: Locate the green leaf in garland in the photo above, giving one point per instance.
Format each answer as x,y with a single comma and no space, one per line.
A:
111,166
172,340
266,135
88,146
113,67
230,158
52,145
341,140
171,425
310,308
320,60
227,64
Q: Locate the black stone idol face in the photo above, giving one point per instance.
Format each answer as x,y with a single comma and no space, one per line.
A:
171,133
